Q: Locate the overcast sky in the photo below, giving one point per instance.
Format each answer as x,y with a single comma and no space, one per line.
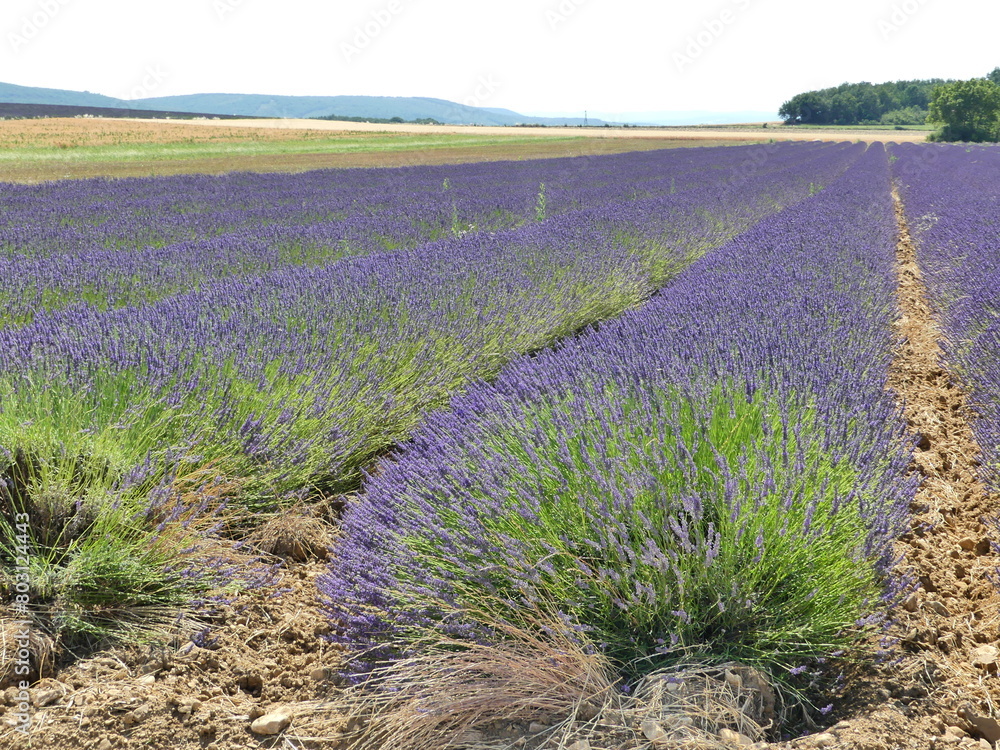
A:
532,56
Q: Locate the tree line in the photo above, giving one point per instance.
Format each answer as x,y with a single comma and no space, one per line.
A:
381,120
891,103
962,110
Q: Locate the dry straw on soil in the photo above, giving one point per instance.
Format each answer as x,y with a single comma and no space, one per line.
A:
299,533
537,687
448,689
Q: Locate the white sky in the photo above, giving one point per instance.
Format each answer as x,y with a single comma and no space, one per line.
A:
526,55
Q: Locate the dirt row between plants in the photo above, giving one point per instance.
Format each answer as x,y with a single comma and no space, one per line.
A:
939,686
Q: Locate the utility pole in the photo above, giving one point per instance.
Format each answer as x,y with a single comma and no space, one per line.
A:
584,118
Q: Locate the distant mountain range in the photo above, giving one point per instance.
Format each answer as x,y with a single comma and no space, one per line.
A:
377,107
381,107
259,105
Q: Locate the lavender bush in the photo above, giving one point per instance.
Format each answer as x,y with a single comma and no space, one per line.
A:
130,214
719,472
100,571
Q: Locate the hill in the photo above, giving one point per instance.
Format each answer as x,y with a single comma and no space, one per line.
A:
381,107
259,105
13,94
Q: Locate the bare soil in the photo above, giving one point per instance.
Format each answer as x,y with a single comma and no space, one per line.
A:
265,652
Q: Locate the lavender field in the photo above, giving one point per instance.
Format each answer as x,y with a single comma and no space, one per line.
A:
638,401
294,376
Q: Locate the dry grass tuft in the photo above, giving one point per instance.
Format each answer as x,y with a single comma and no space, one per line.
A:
438,697
203,494
539,688
41,651
300,533
702,706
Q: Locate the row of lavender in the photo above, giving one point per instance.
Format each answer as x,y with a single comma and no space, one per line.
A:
296,378
718,473
951,195
259,239
86,215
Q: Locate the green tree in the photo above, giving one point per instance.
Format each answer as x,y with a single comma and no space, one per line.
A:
905,116
843,108
868,105
915,96
994,75
966,111
809,107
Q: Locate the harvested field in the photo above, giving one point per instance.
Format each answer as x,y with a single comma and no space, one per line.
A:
49,149
75,148
706,133
77,132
